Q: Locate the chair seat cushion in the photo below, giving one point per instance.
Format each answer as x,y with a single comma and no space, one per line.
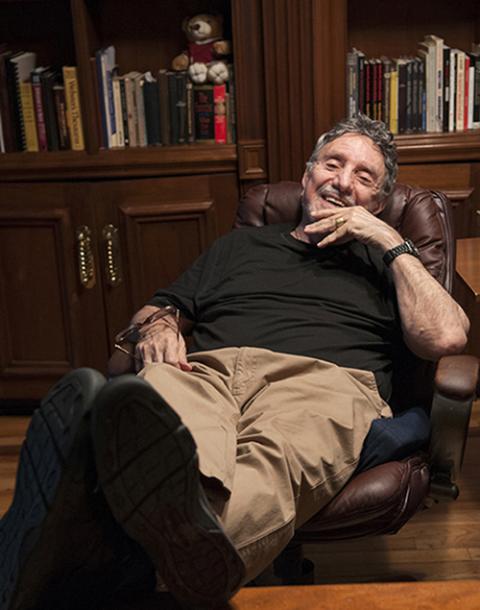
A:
395,438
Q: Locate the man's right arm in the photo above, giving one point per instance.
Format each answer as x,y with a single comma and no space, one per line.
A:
162,340
158,341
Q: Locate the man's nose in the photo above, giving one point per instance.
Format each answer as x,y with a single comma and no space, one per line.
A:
344,180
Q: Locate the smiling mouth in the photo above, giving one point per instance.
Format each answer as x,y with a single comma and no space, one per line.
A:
335,202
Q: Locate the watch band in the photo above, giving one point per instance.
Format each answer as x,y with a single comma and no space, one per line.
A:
408,247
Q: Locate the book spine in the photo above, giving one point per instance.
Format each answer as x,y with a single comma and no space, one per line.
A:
6,105
471,81
466,91
351,84
394,101
476,94
459,118
152,113
140,106
181,106
131,111
47,80
421,95
386,93
453,91
204,113
61,115
40,115
220,119
28,114
402,97
72,102
163,95
190,113
232,119
123,102
446,88
101,99
439,85
409,97
96,96
120,136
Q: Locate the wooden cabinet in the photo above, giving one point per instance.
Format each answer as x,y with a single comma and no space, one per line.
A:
78,258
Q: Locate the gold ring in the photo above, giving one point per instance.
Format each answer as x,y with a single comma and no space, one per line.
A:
339,222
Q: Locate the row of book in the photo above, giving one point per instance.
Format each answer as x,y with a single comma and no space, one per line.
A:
436,91
143,109
39,106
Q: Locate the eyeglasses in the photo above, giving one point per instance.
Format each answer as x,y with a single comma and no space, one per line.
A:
133,333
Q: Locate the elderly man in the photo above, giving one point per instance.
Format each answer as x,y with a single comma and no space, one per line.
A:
208,462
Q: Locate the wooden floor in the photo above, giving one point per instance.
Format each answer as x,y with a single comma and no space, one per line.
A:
442,543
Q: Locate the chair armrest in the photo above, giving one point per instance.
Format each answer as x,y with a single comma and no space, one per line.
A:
456,383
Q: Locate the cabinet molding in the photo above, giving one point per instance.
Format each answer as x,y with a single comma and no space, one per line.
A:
252,158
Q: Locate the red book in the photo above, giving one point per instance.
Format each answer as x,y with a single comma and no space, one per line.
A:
39,113
220,113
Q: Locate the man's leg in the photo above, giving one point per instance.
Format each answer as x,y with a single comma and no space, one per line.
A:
148,468
300,435
59,546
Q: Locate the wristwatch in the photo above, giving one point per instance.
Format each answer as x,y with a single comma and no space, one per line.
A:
408,247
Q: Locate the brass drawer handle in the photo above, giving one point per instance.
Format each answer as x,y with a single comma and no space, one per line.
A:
86,263
113,266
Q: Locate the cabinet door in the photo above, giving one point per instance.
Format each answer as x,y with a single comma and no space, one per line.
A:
51,319
161,225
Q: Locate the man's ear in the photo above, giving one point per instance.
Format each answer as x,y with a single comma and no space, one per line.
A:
304,179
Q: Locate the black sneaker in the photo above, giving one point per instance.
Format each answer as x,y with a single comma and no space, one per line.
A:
58,544
148,468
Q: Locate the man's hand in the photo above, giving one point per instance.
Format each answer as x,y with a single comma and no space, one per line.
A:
340,225
159,341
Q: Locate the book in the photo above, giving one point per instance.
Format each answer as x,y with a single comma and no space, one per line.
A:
352,88
19,68
190,113
470,86
152,110
138,80
438,44
401,68
177,82
220,113
452,109
387,69
39,110
394,101
119,141
61,117
123,102
48,79
204,113
2,139
427,53
6,111
163,99
28,117
96,102
231,114
105,59
460,97
476,92
131,99
73,107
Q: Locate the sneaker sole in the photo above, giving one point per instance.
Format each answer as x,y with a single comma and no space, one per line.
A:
148,468
43,536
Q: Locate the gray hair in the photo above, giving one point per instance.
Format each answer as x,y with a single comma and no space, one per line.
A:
380,135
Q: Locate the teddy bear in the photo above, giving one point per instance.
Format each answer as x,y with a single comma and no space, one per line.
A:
206,47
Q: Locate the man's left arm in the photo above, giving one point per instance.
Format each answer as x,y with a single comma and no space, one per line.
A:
433,324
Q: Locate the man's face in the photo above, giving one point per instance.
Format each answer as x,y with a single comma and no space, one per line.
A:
349,171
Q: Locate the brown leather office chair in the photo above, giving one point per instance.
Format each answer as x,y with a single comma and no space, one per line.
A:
381,500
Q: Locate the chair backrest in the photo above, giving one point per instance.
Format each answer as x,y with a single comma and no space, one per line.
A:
422,215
